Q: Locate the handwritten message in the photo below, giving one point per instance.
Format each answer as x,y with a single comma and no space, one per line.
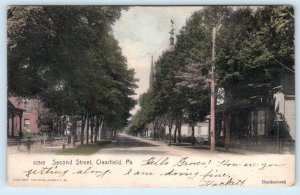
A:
151,171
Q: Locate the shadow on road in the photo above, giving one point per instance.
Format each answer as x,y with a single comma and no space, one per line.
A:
129,145
124,142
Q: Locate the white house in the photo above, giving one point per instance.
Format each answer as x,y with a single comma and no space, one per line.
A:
201,131
285,104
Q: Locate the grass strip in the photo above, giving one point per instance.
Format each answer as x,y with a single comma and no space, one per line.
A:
85,149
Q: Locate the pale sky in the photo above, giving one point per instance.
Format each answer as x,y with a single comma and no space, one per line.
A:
143,31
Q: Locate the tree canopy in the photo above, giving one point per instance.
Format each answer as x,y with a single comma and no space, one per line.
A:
68,57
254,48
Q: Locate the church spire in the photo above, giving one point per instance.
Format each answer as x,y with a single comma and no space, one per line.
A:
172,45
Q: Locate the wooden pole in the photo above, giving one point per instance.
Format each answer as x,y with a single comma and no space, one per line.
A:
212,94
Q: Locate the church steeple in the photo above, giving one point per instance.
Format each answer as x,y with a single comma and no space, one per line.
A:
172,45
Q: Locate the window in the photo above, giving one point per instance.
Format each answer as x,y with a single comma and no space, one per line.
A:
27,124
261,122
258,122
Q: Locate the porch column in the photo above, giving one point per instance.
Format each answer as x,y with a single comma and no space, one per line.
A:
20,133
12,125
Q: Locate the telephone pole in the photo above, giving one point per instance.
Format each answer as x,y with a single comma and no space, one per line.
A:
213,86
212,92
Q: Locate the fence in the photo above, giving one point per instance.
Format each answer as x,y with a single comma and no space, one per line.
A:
52,141
264,144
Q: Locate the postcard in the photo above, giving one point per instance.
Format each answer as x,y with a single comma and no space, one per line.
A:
151,96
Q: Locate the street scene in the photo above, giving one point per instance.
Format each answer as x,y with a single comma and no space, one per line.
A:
149,88
215,76
129,145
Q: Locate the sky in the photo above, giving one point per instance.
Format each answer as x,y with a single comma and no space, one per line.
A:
143,31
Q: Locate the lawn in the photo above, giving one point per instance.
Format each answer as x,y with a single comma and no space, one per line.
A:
86,149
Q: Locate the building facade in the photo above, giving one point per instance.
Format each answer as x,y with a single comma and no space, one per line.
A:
30,120
261,122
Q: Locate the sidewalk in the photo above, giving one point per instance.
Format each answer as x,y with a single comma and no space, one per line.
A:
38,148
201,147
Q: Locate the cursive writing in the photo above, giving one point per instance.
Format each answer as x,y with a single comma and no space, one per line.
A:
90,171
156,161
222,183
184,162
46,171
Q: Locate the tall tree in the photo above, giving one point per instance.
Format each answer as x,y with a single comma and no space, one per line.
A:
68,57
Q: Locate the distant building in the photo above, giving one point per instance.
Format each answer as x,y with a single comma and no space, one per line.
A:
201,131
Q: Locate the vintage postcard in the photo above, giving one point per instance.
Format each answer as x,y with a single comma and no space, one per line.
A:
151,96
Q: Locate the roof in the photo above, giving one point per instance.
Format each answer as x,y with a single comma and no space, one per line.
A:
12,109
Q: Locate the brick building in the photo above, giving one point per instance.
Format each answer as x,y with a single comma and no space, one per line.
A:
28,119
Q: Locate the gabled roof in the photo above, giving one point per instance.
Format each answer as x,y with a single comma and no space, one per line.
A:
12,109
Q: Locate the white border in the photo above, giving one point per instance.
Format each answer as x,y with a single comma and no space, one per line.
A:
5,190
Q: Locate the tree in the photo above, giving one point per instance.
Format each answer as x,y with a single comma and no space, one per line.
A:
68,57
248,63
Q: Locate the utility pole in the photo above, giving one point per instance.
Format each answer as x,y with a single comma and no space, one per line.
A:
212,92
213,86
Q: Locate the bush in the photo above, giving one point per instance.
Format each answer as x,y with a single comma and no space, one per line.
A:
187,139
26,133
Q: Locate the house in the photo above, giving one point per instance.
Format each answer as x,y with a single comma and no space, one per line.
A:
13,114
201,131
268,122
28,120
285,104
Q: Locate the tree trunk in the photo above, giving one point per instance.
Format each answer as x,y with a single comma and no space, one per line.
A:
103,130
160,129
170,133
155,129
227,130
193,135
62,127
87,130
92,128
73,134
57,125
83,120
110,133
97,128
59,128
175,134
115,133
73,130
179,130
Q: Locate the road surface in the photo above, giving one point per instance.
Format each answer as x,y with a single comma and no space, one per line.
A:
126,144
